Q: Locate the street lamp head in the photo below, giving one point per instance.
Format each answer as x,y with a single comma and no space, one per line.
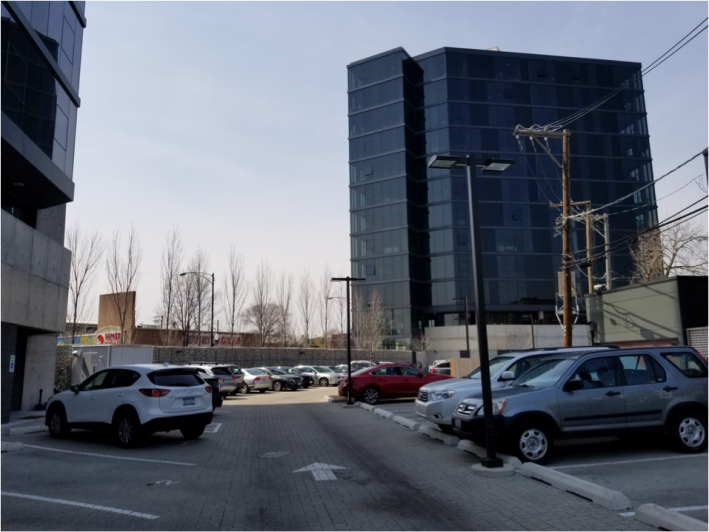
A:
497,165
183,274
444,162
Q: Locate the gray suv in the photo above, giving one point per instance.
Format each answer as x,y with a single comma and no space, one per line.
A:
607,393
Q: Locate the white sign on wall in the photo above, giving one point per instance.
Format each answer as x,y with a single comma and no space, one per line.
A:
12,363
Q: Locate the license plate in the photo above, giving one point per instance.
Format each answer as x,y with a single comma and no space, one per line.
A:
456,423
188,401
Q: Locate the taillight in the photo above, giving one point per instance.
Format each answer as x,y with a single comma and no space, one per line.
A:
154,392
208,388
233,379
257,379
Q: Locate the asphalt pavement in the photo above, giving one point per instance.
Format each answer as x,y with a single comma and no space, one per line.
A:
277,461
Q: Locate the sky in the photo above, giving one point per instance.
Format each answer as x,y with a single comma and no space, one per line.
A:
229,119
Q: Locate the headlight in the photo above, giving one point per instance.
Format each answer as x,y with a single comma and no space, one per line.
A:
439,396
497,408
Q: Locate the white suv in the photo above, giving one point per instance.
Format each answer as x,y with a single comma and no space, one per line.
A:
134,401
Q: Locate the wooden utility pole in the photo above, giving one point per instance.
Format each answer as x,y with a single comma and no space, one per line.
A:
589,263
607,234
565,166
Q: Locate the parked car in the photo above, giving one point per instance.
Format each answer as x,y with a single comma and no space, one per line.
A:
324,376
280,380
255,379
442,368
660,390
227,380
217,399
436,402
438,363
387,381
361,364
305,379
236,371
133,401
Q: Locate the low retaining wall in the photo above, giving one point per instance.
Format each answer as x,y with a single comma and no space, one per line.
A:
247,357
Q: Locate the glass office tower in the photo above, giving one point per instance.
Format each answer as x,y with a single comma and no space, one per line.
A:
41,58
410,232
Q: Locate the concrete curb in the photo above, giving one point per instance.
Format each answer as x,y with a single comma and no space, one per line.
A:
28,430
368,408
406,422
333,399
9,446
481,452
383,413
662,518
448,439
496,472
613,500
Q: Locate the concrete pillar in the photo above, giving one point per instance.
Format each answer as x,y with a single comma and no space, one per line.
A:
40,366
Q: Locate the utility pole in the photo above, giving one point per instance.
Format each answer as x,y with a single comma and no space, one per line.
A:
565,166
607,235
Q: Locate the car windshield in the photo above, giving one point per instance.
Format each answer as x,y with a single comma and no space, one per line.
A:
495,366
546,373
321,369
221,371
360,371
256,372
277,372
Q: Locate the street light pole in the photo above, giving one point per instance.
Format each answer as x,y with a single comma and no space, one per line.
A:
438,161
349,335
467,333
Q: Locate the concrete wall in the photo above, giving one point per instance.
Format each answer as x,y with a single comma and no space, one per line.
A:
246,357
40,360
448,342
35,277
640,313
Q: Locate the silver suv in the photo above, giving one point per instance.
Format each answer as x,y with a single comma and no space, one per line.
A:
602,393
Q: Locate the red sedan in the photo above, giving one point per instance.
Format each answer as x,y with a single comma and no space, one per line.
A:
387,381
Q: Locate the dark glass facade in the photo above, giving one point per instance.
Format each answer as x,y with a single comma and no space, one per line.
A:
410,228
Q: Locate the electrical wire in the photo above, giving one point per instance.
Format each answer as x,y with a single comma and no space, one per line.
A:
531,173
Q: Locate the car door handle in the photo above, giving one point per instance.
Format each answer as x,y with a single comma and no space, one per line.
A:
669,388
612,393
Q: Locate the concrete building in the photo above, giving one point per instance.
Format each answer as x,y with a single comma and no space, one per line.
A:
410,225
670,311
41,59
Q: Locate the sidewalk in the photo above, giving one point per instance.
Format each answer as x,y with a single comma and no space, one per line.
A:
24,422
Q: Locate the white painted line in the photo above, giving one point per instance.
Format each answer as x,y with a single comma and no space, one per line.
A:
594,464
627,514
324,475
213,428
320,471
689,508
80,504
114,457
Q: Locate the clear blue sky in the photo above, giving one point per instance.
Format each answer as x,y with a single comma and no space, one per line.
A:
229,119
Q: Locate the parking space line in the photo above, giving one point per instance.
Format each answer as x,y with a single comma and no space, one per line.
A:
213,428
112,456
594,464
80,504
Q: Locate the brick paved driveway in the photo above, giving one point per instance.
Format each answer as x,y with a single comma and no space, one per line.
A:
395,479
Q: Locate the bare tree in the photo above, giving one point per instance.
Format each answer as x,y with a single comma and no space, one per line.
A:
325,292
369,322
170,266
421,343
678,250
86,254
235,291
306,304
185,306
262,313
123,272
199,264
284,297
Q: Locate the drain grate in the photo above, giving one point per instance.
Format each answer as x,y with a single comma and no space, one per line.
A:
273,454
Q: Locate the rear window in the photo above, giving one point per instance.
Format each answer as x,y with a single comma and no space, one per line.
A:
175,377
221,371
688,363
256,372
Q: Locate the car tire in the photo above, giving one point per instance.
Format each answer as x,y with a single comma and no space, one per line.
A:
688,431
126,426
370,395
277,386
192,433
244,388
533,443
217,402
324,382
58,426
448,429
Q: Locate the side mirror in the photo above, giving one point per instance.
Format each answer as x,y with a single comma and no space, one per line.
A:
420,375
75,389
507,376
573,385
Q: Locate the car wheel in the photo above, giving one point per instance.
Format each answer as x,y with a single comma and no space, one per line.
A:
127,429
192,433
448,429
371,395
277,386
323,382
262,390
58,426
533,444
688,432
244,388
217,402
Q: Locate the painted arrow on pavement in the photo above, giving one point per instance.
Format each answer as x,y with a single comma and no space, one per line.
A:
320,471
